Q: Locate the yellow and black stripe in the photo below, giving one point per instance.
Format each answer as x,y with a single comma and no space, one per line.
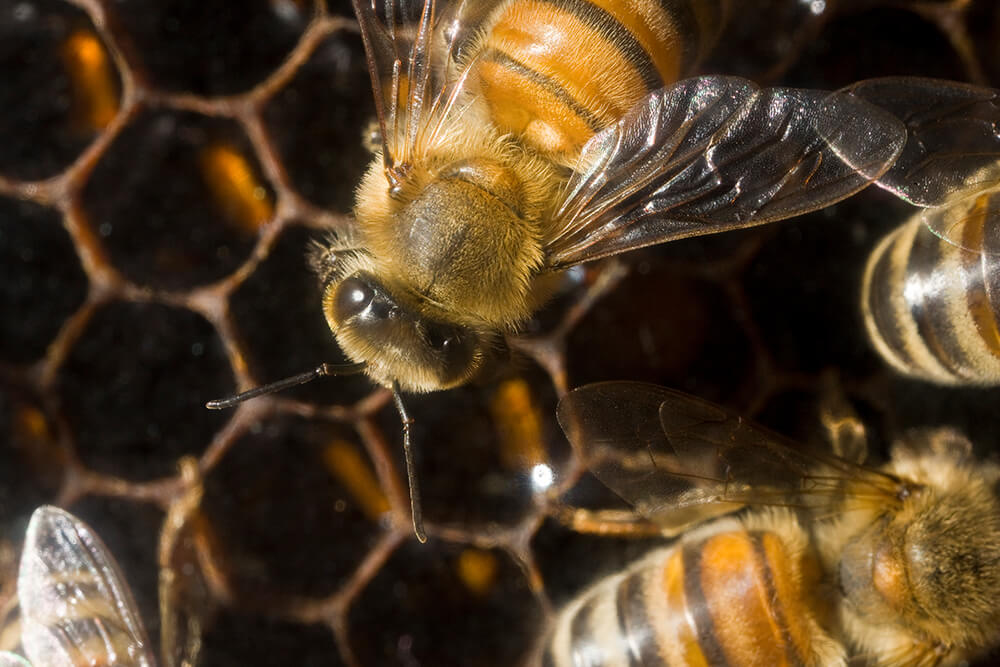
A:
732,598
554,72
931,306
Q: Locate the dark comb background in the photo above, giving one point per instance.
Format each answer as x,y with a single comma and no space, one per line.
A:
163,167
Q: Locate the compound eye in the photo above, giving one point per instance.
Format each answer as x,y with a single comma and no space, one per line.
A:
441,339
455,348
354,296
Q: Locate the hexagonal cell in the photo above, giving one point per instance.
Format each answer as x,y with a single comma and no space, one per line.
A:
178,199
297,506
571,286
234,639
133,388
208,47
824,253
44,281
317,122
483,453
897,41
664,327
795,415
279,315
429,605
32,461
131,533
60,87
763,35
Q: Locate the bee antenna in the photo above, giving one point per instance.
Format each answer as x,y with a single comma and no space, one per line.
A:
323,370
411,472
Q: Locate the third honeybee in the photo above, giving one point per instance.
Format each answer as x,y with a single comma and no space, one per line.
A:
930,296
831,562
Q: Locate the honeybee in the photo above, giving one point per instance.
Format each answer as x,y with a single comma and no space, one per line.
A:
829,562
929,295
76,608
520,138
544,138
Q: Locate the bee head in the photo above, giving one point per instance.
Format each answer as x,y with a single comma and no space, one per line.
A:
942,547
951,555
399,341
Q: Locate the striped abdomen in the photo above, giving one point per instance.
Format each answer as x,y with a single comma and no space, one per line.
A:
732,598
931,306
555,72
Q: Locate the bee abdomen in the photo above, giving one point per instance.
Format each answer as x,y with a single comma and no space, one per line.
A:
730,599
930,306
557,71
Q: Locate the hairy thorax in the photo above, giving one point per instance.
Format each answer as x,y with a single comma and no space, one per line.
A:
465,246
464,238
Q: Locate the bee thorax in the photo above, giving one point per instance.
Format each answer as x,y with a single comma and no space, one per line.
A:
459,244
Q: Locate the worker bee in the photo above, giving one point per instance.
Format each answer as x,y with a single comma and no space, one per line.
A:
929,294
544,137
520,138
76,608
830,561
930,306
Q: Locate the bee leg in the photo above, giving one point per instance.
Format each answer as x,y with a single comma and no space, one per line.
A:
609,523
843,428
411,473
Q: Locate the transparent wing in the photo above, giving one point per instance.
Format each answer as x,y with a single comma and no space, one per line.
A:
413,48
952,150
715,153
76,608
670,454
8,659
971,221
953,136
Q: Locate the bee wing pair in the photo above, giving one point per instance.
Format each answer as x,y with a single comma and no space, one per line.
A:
75,606
952,150
409,45
678,459
698,157
715,153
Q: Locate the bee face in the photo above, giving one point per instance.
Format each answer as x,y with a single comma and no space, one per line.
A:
953,557
395,341
928,567
947,537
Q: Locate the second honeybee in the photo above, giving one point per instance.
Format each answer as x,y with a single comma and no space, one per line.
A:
833,562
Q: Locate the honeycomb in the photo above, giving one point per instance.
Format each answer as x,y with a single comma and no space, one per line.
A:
164,166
